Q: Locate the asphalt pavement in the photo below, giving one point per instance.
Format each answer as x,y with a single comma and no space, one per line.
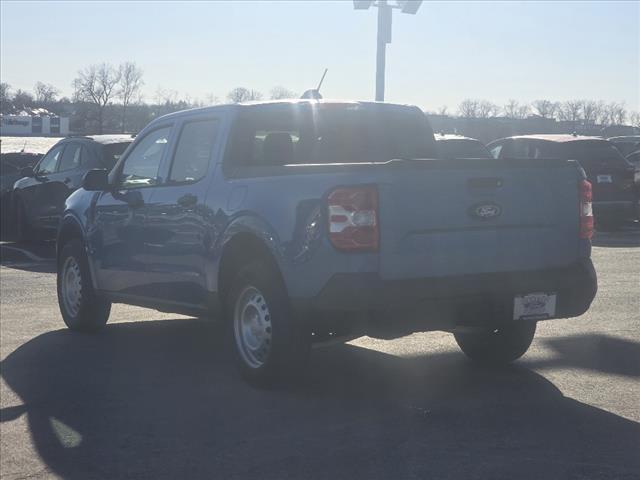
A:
154,396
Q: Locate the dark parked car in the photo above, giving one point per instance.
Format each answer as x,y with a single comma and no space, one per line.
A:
38,198
304,219
11,165
626,144
615,197
456,146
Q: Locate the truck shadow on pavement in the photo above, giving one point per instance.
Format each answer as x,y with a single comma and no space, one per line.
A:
159,399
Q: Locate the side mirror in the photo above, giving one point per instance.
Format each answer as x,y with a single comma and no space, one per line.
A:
27,172
96,180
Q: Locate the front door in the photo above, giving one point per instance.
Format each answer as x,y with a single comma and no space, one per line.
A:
119,238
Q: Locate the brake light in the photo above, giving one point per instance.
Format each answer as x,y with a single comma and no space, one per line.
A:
353,218
586,210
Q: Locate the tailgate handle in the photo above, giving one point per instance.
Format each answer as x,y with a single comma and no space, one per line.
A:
485,182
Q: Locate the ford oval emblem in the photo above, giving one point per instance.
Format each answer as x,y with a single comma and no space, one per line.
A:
485,211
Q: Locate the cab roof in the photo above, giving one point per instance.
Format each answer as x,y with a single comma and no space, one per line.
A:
559,138
104,139
300,101
452,136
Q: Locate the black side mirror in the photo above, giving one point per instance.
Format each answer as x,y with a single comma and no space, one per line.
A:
27,172
96,180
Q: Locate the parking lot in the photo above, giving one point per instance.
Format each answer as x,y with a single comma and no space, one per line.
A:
154,396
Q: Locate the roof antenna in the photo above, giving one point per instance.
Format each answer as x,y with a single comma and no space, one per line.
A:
314,94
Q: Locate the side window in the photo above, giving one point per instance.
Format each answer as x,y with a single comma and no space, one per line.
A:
195,145
48,163
495,151
70,157
142,164
520,149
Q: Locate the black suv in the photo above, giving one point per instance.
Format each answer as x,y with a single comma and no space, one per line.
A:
38,198
615,195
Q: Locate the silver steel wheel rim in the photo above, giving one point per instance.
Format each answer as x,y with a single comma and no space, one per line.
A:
252,327
71,286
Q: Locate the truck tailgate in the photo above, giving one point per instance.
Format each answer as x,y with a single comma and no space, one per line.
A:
463,217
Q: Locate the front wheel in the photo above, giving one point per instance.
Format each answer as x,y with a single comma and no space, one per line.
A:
497,346
270,346
81,308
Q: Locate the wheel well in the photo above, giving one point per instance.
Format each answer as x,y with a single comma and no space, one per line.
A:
241,250
68,231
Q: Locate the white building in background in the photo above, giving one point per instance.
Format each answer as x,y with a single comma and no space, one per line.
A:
11,125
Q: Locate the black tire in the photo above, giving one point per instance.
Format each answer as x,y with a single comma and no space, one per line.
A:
287,349
499,346
24,231
90,312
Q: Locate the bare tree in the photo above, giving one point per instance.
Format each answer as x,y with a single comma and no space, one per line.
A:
487,109
511,108
523,111
45,93
443,110
617,113
97,84
280,92
22,100
5,97
166,96
211,99
241,94
589,110
571,110
129,87
468,108
634,119
545,108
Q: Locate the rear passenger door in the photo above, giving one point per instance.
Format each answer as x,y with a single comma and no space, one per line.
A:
177,217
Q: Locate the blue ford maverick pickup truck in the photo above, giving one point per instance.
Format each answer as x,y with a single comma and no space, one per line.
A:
301,221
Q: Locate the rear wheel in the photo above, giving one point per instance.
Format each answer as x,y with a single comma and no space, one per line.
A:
497,346
269,345
81,308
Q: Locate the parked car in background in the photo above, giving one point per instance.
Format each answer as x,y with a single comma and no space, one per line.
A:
615,196
11,165
38,198
457,146
634,158
303,219
626,144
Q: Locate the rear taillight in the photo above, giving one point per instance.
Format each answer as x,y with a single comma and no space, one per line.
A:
586,210
353,218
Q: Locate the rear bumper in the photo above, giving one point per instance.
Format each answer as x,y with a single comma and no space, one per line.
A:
576,286
616,210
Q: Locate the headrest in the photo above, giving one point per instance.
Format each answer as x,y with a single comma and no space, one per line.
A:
278,149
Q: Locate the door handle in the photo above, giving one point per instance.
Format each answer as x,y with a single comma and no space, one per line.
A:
187,200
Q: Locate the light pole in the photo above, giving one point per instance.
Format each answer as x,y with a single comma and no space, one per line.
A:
384,32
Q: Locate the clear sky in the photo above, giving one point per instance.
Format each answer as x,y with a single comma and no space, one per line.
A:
447,52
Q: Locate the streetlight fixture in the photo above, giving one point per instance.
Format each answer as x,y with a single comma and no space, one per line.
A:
384,31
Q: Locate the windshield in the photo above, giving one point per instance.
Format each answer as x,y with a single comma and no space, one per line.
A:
113,152
462,148
594,153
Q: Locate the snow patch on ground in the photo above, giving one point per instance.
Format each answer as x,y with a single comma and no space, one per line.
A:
29,144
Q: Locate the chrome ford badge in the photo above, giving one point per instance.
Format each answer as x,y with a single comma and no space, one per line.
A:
485,211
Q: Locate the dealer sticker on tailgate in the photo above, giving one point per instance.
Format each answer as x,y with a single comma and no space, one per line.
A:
534,306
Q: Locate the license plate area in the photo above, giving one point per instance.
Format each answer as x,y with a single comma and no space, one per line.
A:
605,178
534,306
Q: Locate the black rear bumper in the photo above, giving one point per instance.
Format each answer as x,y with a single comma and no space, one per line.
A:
616,210
575,285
